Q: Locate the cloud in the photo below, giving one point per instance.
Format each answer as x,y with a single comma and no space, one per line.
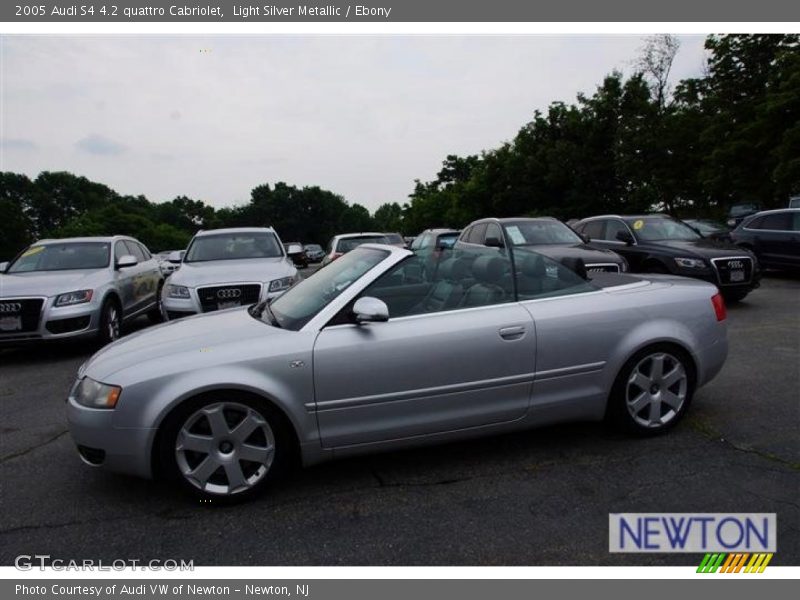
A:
100,145
17,144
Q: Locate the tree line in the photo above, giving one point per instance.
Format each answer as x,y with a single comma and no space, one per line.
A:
636,144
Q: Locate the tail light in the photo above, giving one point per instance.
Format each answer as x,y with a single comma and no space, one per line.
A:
719,306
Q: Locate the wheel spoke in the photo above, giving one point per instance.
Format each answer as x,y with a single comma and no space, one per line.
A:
640,380
216,420
638,403
674,376
258,454
248,425
194,442
204,470
654,416
233,471
672,400
657,370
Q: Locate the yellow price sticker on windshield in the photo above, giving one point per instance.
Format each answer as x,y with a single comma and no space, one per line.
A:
637,225
32,251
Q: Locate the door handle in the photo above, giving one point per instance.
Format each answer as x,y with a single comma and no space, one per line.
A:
512,333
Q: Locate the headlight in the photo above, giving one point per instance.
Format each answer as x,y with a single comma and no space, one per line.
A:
177,291
277,285
94,394
690,263
79,297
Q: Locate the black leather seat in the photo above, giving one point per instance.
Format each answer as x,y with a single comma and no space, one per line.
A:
448,288
489,272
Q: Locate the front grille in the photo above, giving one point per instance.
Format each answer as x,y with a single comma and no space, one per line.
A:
68,325
603,268
727,269
212,297
20,314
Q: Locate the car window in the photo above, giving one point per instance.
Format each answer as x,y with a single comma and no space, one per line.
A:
347,244
456,281
233,246
776,222
120,250
594,229
446,240
476,234
145,251
302,302
541,277
493,231
62,257
135,250
612,228
422,241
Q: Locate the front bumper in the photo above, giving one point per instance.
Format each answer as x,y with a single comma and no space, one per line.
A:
57,323
119,449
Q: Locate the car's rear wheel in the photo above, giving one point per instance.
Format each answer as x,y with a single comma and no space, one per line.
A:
110,322
225,447
653,390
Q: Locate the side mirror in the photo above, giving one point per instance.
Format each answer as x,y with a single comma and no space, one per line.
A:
586,239
370,310
175,257
625,236
3,267
576,265
294,249
128,260
494,242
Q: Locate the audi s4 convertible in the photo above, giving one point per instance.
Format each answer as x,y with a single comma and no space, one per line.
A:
362,357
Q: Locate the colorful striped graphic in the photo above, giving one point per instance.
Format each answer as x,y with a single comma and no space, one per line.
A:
734,563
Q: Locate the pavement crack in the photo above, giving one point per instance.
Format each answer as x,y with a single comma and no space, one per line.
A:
49,440
712,434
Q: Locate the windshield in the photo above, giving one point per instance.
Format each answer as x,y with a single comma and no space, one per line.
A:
62,257
302,302
232,246
313,248
659,228
532,233
738,210
348,244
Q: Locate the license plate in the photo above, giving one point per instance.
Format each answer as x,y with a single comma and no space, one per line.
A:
10,323
231,304
737,275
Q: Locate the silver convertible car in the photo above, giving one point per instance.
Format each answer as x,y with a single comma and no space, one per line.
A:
373,353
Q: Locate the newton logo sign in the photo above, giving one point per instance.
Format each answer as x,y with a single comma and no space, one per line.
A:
702,533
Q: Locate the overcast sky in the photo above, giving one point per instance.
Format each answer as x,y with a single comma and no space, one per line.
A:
211,117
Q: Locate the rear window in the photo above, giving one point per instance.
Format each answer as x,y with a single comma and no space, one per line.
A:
348,244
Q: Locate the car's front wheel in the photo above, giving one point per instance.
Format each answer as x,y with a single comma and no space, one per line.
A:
653,390
224,447
110,322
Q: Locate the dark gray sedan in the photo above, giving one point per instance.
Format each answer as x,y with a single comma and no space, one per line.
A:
360,357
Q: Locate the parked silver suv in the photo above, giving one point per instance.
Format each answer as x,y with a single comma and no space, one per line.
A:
224,268
77,287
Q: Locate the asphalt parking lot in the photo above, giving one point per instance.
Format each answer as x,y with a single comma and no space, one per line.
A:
533,498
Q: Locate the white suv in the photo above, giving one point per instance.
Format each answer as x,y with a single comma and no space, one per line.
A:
225,268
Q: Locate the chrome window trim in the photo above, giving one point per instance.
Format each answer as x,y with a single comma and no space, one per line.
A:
590,266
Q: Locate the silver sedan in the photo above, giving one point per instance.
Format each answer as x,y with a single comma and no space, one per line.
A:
367,355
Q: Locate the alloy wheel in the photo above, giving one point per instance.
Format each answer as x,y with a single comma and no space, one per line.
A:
656,390
225,448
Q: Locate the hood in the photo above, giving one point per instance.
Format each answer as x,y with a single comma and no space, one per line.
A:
46,283
212,272
588,254
175,340
702,248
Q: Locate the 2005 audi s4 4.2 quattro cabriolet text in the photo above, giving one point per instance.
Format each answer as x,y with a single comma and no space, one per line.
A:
374,352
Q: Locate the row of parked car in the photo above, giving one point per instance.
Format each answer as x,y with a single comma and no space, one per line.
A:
90,286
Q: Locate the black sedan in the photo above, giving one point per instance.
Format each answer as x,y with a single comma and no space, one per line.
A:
773,236
661,244
545,235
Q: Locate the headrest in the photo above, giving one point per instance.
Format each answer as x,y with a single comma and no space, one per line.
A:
488,269
533,266
453,269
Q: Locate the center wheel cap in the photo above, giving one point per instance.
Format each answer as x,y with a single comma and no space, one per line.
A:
226,447
654,389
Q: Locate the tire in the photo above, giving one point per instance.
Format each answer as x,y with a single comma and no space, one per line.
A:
156,315
661,403
199,448
110,322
